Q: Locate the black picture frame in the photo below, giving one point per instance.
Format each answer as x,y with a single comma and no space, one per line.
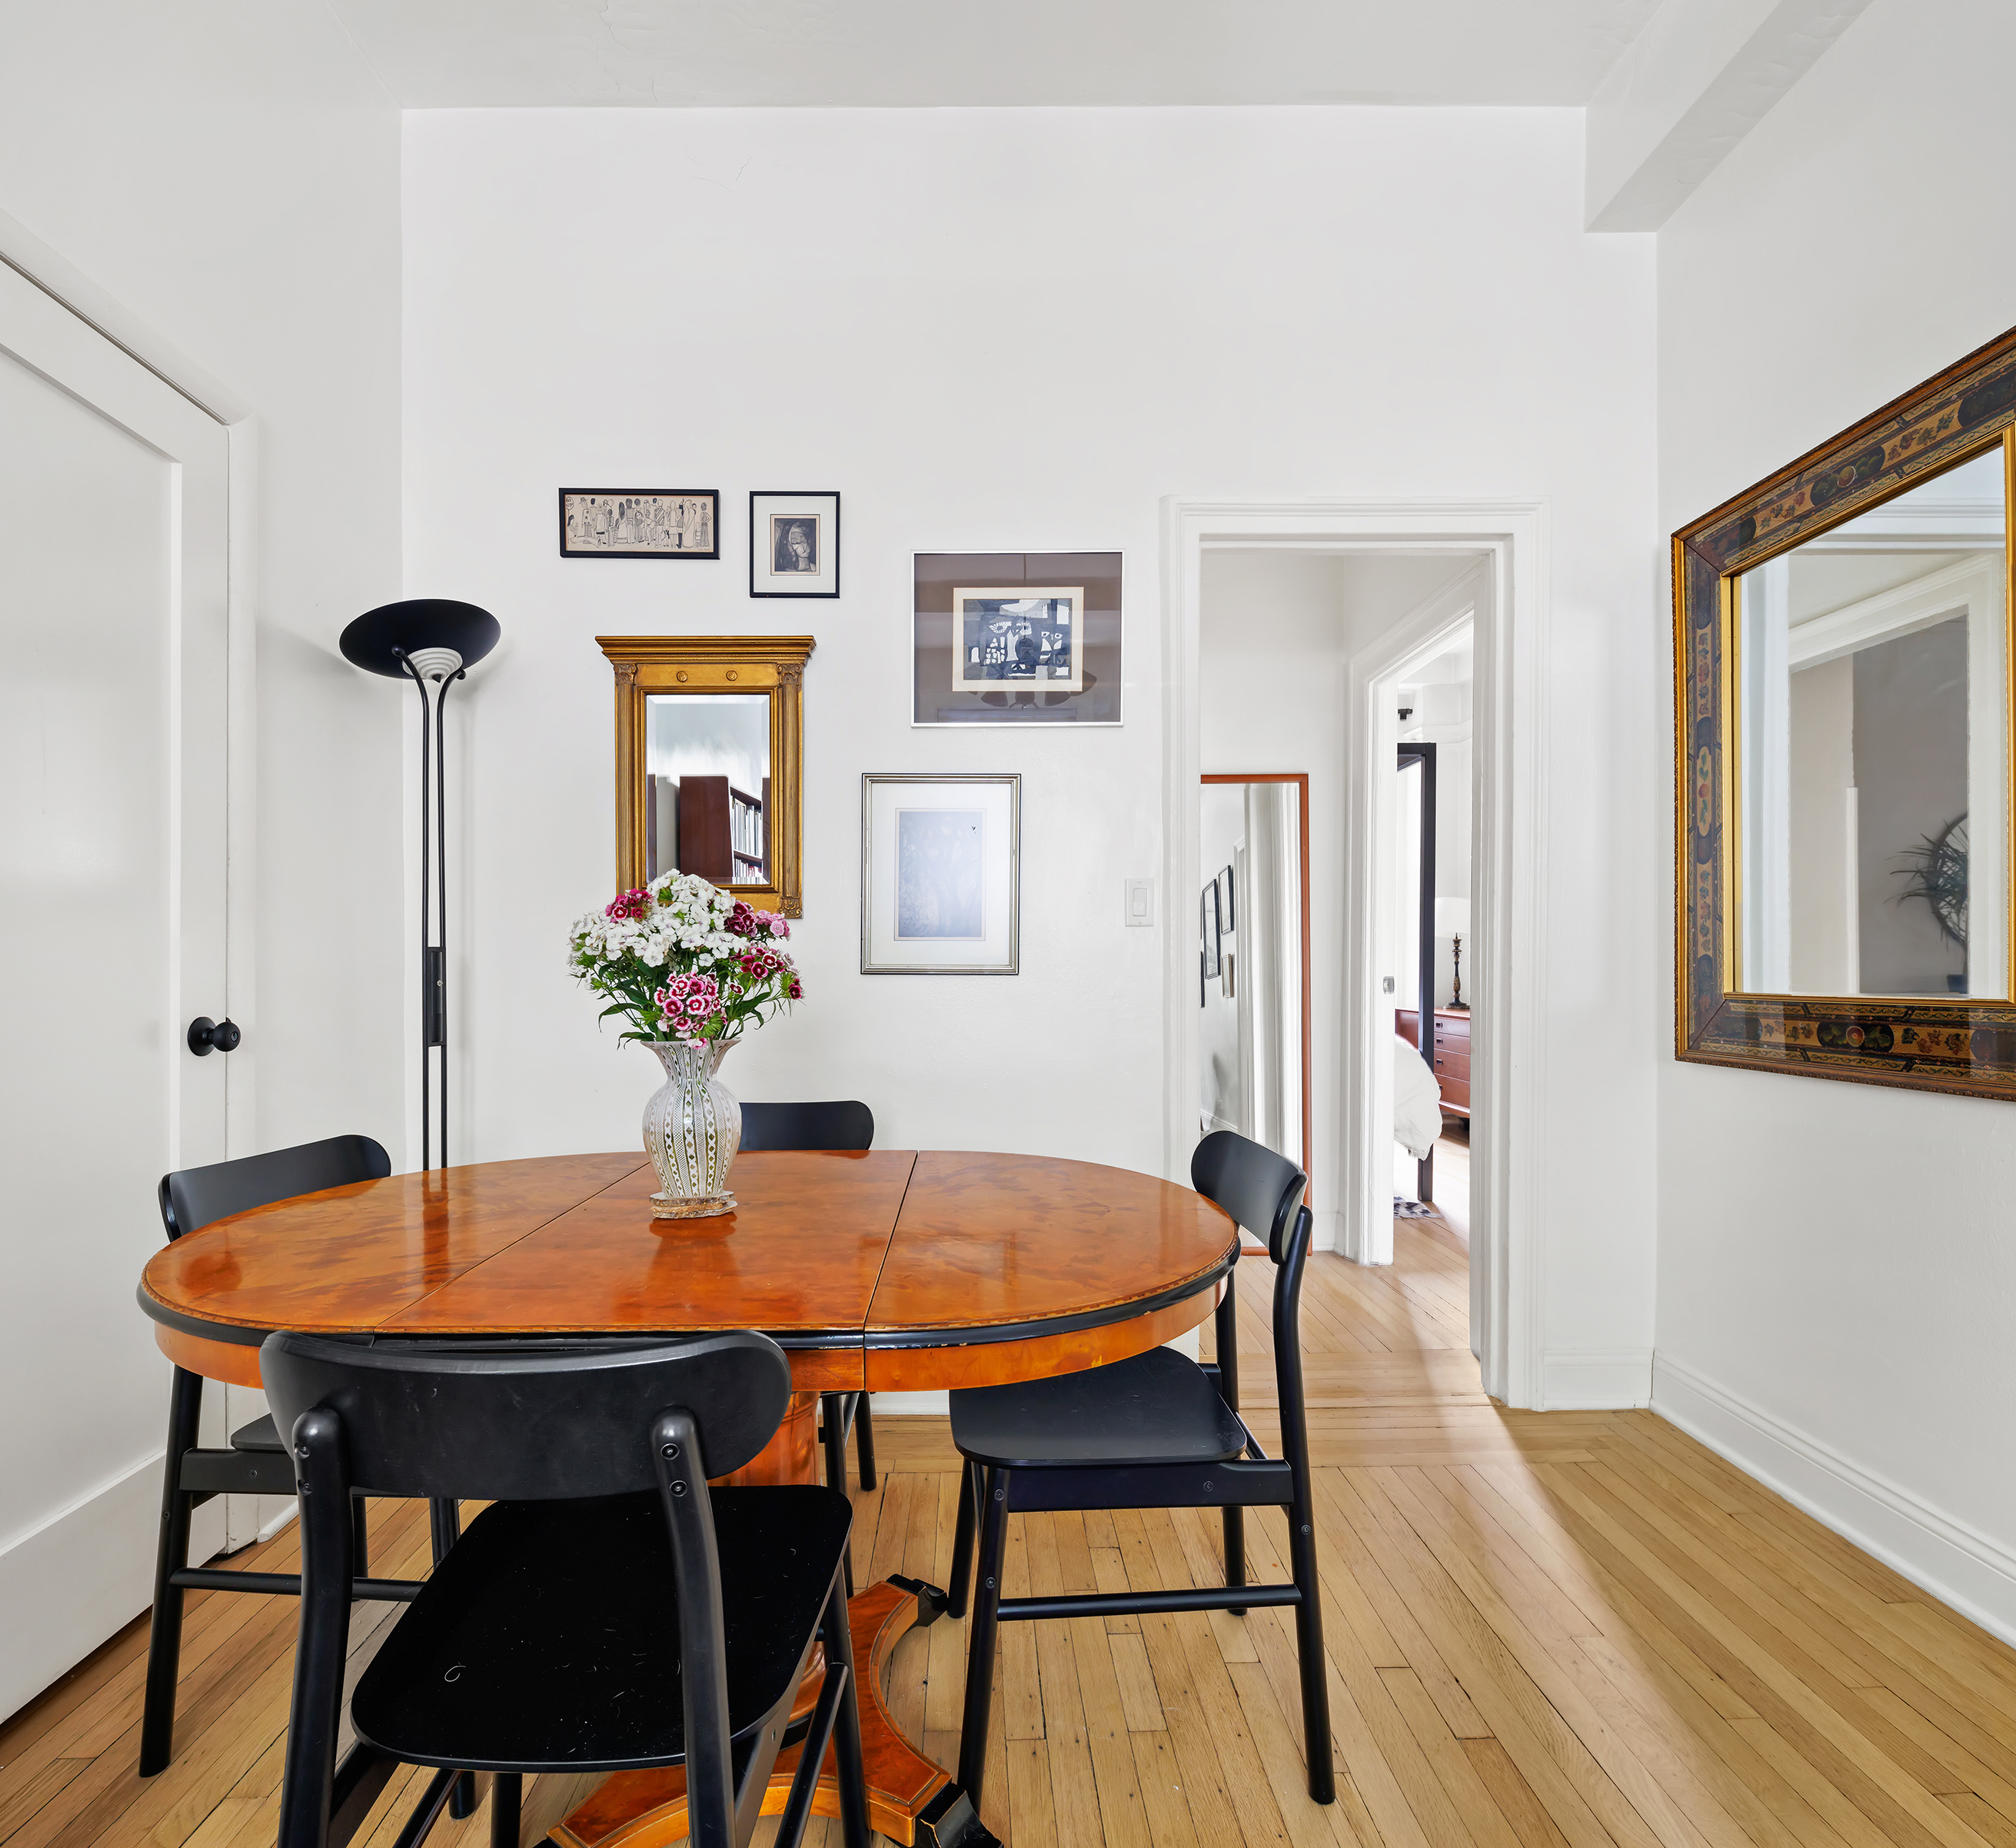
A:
1209,927
762,540
711,496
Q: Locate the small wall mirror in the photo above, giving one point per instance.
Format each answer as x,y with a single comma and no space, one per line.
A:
1845,894
708,751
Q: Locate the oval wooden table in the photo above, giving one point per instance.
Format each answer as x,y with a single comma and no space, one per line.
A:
889,1270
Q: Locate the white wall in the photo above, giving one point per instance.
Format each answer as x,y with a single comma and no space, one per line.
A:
1837,1265
1018,328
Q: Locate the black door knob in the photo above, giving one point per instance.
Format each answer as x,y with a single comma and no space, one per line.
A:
206,1034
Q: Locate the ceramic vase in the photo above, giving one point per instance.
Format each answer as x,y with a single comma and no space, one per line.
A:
693,1127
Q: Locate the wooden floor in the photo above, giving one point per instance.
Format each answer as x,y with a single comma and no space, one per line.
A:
1542,1629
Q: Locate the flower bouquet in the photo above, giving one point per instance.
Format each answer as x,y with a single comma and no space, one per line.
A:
689,967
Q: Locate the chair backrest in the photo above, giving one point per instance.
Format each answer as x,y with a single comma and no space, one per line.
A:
808,1126
527,1420
193,1198
1261,1189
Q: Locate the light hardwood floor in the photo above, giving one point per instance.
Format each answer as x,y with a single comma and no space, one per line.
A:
1543,1630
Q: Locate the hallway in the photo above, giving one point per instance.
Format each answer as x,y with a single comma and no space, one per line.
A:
1542,1629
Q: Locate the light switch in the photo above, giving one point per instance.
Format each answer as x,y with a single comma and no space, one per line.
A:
1140,903
1388,984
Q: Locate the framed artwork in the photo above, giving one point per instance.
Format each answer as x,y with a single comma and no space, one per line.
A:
941,874
1018,635
1210,930
1228,909
794,545
1016,638
640,523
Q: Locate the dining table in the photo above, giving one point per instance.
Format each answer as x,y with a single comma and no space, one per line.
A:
881,1270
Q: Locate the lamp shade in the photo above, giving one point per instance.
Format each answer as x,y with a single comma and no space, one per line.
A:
381,641
1452,917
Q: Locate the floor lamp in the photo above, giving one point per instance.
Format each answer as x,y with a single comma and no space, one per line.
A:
432,642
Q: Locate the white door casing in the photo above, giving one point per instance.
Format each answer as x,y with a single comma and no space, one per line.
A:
116,910
1506,955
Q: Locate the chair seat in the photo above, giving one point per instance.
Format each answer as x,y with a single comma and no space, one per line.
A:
1158,1408
261,1434
549,1638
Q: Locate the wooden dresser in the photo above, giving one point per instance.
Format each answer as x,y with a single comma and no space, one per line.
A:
1451,1051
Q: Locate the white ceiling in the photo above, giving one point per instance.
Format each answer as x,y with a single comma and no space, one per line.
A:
923,53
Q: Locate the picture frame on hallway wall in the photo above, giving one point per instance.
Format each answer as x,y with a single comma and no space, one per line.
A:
640,523
1016,638
1210,928
940,874
793,544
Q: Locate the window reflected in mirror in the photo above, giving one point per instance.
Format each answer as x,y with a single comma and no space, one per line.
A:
707,787
1872,766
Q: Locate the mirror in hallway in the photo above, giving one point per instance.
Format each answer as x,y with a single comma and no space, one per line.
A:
1842,757
1253,960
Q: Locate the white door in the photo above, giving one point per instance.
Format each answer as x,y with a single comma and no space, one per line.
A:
113,511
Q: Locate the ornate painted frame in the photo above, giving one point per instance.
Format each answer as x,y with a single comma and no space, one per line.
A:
1967,1047
775,664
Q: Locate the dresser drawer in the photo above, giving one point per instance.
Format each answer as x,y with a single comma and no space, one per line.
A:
1456,1093
1453,1064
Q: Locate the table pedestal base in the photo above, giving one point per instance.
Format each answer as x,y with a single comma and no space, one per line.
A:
910,1800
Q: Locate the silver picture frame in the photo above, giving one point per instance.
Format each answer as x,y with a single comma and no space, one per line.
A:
941,873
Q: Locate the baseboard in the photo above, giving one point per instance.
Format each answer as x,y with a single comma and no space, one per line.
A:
1325,1230
1595,1379
80,1577
1958,1565
910,1405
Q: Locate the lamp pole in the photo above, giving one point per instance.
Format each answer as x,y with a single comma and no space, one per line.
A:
432,642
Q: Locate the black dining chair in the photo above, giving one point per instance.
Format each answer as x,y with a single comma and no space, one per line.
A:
256,1462
1159,1430
848,1125
609,1611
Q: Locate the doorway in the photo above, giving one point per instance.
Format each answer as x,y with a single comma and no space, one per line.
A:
1493,572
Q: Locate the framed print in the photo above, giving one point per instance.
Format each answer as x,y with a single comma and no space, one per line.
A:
640,523
941,874
1208,929
794,545
1018,635
1228,910
1016,638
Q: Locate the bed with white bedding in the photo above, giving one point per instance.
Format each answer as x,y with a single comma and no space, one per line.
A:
1417,1101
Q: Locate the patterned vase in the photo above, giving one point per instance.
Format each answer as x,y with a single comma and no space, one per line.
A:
693,1127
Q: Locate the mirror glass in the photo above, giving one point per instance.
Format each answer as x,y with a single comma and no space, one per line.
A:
1250,911
1872,765
707,785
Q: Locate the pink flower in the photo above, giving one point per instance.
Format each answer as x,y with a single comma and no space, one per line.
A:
635,903
696,1006
778,927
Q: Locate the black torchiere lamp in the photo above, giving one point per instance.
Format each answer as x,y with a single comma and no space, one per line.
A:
432,642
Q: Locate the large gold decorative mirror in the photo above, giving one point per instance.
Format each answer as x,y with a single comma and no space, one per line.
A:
1843,698
710,734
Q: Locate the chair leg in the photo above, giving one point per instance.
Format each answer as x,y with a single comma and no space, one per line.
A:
961,1543
164,1640
1235,1551
360,1538
848,1767
864,1440
507,1791
986,1624
444,1529
1310,1655
833,1435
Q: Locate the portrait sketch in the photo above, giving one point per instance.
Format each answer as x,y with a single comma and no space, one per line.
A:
637,524
794,544
1018,635
939,873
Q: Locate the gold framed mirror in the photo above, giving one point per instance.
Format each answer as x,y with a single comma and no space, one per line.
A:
710,751
1845,887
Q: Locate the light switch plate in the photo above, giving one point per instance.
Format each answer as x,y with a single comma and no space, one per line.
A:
1140,912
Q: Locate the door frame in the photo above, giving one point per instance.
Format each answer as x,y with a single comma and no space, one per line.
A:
1424,754
1498,555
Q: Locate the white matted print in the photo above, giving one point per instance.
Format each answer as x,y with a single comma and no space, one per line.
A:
794,545
940,874
1020,635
